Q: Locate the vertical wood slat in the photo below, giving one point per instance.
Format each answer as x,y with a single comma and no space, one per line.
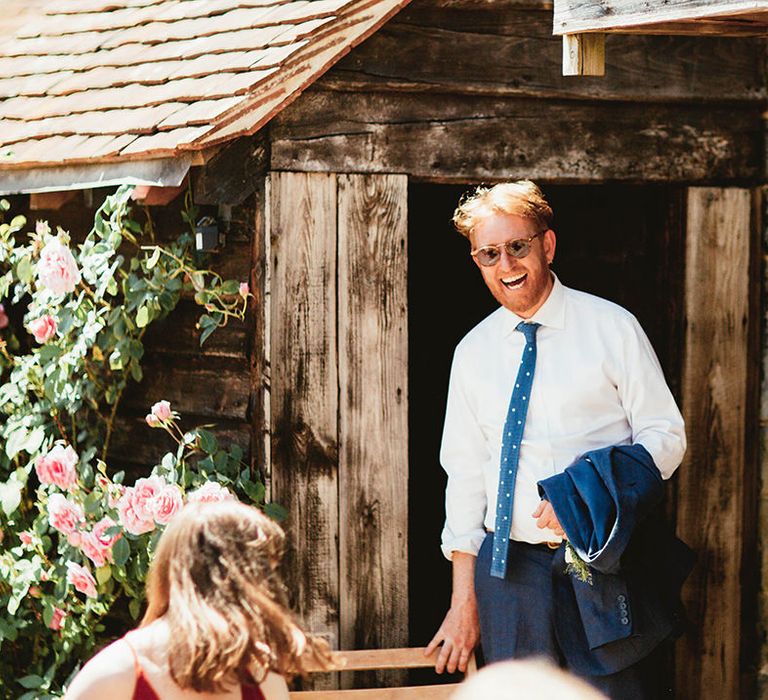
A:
711,478
373,369
304,396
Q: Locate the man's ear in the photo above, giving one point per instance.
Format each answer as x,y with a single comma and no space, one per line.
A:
550,243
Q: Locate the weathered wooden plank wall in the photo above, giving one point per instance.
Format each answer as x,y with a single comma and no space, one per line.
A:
338,394
373,428
304,389
466,91
711,480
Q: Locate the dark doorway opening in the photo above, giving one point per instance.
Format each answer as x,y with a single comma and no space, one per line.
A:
621,242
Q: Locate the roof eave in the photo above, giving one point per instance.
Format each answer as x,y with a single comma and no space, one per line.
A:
160,172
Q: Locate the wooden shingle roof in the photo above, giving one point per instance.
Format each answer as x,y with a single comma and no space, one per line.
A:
90,81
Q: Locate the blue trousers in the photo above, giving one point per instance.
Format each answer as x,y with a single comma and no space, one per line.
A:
517,613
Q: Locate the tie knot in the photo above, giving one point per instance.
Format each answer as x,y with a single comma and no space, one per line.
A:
528,330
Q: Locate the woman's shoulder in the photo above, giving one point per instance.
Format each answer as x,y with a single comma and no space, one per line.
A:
111,673
274,687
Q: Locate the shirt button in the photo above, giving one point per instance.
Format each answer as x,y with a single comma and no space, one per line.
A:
622,606
624,620
620,598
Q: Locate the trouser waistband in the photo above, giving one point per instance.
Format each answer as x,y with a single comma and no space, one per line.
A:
551,547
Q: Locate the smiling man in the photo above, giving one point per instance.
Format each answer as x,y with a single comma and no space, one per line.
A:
552,375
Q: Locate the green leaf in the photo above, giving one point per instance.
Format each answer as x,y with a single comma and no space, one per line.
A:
152,261
121,550
92,502
10,496
116,360
15,442
208,442
24,270
255,490
230,287
103,574
8,631
34,440
206,334
134,607
48,353
136,372
142,317
32,681
47,613
275,511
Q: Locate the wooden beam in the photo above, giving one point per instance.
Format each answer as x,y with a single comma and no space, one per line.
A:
712,477
304,390
584,54
417,52
234,172
373,426
151,195
460,138
52,201
572,17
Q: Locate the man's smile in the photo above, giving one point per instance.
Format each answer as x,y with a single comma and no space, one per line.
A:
514,282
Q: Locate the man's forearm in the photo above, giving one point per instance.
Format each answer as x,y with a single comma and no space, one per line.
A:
463,578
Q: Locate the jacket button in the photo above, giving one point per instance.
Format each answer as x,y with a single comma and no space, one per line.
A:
622,606
620,598
624,620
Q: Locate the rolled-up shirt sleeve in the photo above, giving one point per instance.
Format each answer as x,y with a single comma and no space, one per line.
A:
462,454
651,410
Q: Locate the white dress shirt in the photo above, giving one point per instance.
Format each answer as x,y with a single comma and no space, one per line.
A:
597,383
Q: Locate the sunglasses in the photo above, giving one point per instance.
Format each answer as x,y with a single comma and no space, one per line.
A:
489,255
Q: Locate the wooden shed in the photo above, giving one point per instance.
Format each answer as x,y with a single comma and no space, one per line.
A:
335,137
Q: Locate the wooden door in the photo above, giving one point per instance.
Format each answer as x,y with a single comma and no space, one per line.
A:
716,480
337,281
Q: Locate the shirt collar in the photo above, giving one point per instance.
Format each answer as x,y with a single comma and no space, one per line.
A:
551,313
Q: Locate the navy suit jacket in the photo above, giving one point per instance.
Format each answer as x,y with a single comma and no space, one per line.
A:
638,566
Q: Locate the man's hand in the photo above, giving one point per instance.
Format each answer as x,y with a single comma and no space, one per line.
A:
460,630
546,518
459,634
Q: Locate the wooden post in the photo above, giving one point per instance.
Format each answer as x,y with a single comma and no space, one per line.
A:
712,477
304,389
584,54
373,411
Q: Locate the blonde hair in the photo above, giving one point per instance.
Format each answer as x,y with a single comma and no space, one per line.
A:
214,580
523,680
522,198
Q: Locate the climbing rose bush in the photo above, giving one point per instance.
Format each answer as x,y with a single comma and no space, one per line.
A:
76,539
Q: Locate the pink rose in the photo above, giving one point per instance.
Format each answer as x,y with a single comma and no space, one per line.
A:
210,492
57,619
74,539
43,328
162,411
244,289
96,544
42,228
152,420
81,579
25,537
167,503
57,269
58,467
63,515
4,321
132,513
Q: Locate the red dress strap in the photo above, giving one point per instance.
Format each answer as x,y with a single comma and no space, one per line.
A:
142,690
252,692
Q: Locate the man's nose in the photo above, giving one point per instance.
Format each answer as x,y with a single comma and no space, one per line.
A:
506,260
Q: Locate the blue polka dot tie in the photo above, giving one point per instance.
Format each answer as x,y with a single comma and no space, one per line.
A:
511,440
